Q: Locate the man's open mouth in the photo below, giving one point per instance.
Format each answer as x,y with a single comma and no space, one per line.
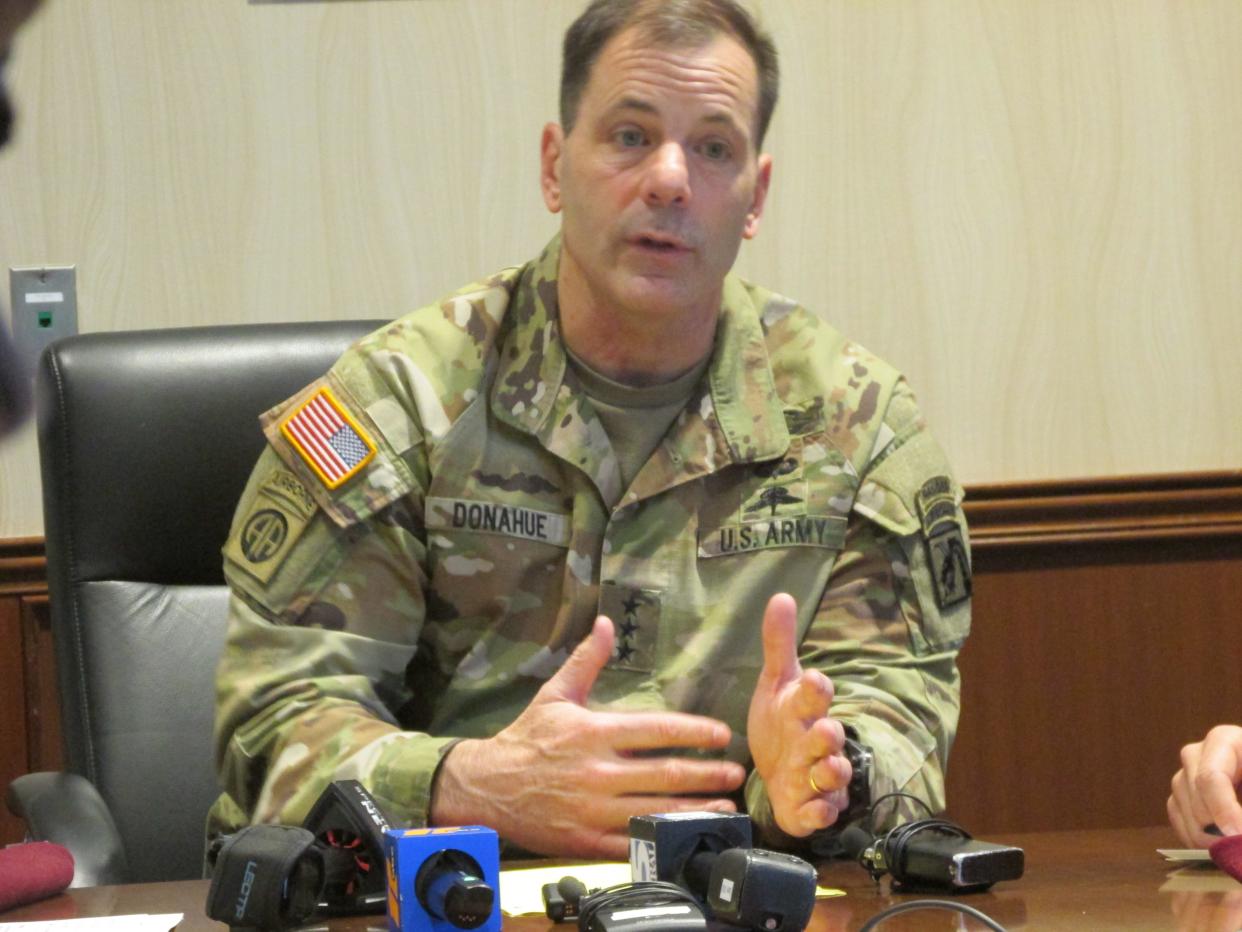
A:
660,243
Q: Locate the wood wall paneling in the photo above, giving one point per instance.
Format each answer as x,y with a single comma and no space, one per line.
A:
13,736
1105,636
29,709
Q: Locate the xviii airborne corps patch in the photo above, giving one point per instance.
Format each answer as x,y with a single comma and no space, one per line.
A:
946,547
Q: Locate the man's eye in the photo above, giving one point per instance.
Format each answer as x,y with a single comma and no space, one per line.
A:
630,137
715,150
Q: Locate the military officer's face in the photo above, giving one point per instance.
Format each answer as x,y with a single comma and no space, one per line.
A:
659,180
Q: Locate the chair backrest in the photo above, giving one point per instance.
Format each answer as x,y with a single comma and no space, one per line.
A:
146,439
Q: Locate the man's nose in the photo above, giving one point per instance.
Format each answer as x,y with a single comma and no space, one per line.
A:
667,180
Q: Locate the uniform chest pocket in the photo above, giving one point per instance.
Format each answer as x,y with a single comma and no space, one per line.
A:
493,560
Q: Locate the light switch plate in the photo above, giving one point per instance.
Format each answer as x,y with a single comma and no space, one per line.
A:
44,305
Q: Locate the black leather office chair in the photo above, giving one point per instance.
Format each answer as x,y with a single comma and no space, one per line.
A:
146,439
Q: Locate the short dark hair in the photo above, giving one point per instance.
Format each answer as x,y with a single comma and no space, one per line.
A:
666,24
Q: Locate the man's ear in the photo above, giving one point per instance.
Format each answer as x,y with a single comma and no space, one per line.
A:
551,146
762,180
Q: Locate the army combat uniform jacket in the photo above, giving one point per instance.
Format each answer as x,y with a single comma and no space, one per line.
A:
436,523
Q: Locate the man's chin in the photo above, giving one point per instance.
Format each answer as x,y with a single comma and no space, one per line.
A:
659,296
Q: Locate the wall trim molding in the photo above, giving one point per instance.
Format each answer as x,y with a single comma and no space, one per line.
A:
23,566
1007,516
1175,507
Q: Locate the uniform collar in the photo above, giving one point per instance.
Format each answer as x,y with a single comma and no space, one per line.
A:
747,406
734,417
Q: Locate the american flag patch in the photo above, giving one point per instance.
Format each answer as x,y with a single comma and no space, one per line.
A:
328,439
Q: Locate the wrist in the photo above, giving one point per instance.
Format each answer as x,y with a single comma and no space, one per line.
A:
456,796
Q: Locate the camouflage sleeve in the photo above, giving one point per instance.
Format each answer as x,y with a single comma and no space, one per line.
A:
893,616
326,610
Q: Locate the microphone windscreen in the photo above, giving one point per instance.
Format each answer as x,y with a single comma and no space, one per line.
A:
33,871
571,888
1227,855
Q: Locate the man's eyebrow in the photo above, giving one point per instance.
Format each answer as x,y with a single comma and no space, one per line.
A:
716,117
725,117
631,103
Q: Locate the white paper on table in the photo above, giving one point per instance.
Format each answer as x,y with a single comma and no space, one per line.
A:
139,923
521,889
1184,854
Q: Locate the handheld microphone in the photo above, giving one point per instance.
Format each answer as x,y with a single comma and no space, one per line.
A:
679,847
562,900
443,879
709,854
450,888
763,890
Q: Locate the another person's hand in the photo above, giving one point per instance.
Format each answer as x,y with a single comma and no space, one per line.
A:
562,779
1205,790
796,745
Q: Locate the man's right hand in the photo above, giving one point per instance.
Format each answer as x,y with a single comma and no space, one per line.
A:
564,780
1205,790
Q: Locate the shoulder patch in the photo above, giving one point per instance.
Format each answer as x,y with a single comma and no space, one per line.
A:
937,505
276,519
328,439
946,548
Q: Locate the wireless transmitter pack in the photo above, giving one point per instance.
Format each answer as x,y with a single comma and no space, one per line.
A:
443,879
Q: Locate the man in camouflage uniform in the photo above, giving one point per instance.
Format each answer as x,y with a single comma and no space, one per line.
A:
610,533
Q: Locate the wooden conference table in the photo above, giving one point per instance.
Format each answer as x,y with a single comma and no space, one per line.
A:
1097,880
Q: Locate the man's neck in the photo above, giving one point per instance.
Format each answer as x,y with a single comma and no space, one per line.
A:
632,348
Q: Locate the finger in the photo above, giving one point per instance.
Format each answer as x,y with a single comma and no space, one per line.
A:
831,774
673,775
626,806
1217,776
591,843
824,737
780,648
615,846
1178,820
812,816
814,695
649,731
1220,799
1194,812
1186,818
577,675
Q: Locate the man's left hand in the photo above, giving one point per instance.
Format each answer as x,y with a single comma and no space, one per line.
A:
795,744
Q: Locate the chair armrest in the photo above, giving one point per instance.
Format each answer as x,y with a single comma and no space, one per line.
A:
67,809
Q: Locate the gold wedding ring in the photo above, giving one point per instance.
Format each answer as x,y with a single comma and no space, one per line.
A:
810,775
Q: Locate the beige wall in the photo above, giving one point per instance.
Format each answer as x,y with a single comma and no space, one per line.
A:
1033,207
